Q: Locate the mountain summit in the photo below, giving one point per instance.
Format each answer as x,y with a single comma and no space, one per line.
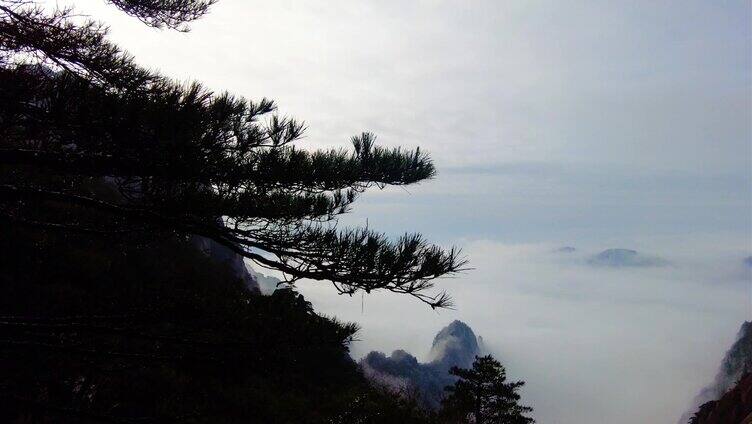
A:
455,345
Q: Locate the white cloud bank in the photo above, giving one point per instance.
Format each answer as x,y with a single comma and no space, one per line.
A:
595,344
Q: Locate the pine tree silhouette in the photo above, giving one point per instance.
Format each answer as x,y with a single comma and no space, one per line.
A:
77,113
482,395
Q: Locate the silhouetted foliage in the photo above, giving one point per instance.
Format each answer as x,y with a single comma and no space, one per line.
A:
102,329
110,172
76,110
165,13
482,395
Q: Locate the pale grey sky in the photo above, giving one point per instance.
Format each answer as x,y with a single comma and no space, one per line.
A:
586,123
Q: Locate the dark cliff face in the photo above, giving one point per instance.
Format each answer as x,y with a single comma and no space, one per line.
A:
234,262
733,407
738,359
455,345
736,363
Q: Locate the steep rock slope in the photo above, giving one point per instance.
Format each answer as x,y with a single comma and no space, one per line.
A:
736,363
734,407
233,262
455,345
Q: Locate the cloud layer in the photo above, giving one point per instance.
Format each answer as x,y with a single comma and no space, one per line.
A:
633,344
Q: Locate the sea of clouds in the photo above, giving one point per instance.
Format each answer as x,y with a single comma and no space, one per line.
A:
631,343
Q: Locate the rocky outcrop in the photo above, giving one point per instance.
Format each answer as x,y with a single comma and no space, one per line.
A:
455,345
234,262
736,364
734,407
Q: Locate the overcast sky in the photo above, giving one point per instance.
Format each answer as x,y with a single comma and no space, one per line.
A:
585,123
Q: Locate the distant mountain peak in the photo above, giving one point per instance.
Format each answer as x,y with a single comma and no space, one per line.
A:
620,257
566,249
454,345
